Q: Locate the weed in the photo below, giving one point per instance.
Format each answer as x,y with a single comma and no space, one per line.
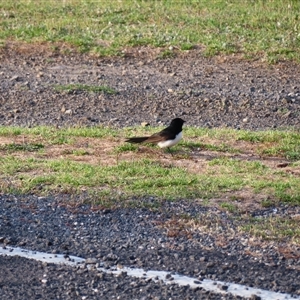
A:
166,54
228,206
80,152
22,147
125,148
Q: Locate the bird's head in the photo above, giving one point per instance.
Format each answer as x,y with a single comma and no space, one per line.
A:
177,122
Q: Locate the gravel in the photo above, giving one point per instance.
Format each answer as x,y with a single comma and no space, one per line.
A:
134,238
209,92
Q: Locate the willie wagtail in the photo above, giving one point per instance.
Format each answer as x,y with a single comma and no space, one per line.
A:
166,138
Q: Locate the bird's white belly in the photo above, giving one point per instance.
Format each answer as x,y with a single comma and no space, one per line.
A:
170,143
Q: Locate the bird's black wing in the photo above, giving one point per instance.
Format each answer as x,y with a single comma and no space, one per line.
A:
164,135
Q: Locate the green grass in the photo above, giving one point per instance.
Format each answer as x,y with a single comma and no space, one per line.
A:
22,147
125,148
80,152
282,143
64,135
149,176
274,228
268,29
140,178
83,87
228,206
261,179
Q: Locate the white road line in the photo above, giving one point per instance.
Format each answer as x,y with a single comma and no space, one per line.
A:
167,277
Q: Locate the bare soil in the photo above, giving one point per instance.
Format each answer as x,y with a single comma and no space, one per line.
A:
210,92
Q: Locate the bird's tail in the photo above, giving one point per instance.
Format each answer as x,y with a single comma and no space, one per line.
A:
137,140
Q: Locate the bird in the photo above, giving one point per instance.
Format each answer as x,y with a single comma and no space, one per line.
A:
166,138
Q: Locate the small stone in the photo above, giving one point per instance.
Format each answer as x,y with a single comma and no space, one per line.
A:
254,297
15,77
22,243
224,287
91,260
6,241
145,124
287,114
245,120
122,274
68,112
210,264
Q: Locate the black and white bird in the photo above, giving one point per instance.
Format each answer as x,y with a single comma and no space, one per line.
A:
166,138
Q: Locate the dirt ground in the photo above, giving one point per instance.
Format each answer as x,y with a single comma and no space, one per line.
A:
209,92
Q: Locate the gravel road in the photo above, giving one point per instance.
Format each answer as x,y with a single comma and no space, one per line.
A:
135,238
205,92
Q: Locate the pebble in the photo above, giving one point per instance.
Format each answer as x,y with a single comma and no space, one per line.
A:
91,260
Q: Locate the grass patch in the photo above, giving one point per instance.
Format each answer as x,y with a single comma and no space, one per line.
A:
126,147
274,228
258,177
80,152
94,158
64,135
228,206
140,178
83,87
274,143
166,54
22,147
254,28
